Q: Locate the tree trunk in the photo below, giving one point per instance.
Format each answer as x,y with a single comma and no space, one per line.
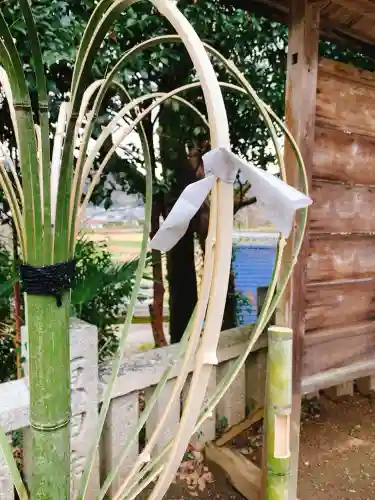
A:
156,308
201,222
182,278
17,306
182,285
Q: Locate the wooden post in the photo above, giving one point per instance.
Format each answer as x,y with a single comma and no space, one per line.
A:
302,70
366,385
338,391
256,368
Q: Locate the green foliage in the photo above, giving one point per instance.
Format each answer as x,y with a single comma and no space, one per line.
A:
256,45
6,282
223,423
345,55
243,307
100,291
99,296
7,347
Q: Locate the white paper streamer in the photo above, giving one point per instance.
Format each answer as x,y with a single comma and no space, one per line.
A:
278,200
178,220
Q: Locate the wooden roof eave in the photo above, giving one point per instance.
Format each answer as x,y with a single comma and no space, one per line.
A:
332,32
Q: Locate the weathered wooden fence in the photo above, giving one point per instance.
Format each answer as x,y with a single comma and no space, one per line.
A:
138,375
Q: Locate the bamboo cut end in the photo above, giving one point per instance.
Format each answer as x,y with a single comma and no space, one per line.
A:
280,333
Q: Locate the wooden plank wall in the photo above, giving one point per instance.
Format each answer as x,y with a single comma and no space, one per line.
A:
340,314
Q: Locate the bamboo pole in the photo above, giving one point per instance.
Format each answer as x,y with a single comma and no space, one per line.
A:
49,374
278,412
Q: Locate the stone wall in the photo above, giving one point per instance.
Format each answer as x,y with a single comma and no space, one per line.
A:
138,375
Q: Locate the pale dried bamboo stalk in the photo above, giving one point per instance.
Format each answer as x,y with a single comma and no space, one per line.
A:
222,200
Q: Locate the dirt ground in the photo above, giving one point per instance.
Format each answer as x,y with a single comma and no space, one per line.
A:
338,450
336,459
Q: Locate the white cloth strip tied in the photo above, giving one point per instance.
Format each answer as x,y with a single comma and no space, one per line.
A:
278,200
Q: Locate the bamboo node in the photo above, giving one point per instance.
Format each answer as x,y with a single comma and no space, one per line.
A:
279,333
279,474
21,105
49,427
43,106
282,410
209,358
145,457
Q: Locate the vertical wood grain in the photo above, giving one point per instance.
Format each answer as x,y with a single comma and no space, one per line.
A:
302,70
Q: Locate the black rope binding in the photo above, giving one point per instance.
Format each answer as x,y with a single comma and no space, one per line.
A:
49,281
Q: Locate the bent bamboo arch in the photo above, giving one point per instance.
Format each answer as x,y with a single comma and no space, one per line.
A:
266,313
219,242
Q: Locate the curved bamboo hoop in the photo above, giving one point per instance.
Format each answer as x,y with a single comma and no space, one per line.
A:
130,312
282,243
205,359
201,373
181,380
260,105
197,84
139,271
218,257
124,132
154,468
4,81
113,126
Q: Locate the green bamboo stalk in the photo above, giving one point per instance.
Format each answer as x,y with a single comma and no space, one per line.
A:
100,21
27,145
81,75
4,81
48,332
44,152
7,187
49,374
278,412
